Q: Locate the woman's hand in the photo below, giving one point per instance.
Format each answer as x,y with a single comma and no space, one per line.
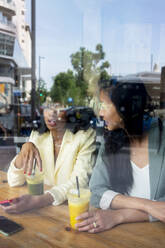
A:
21,204
99,220
156,209
25,158
28,202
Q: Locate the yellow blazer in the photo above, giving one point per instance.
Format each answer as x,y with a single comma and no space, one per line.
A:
75,158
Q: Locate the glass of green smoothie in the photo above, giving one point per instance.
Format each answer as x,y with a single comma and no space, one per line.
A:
35,183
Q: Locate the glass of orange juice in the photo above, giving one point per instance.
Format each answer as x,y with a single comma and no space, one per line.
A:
77,205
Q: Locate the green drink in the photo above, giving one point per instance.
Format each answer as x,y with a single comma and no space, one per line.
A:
35,184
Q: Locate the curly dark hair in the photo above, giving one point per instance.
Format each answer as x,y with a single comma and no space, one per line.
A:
77,118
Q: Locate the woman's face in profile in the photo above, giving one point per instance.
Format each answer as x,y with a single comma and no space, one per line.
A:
109,113
54,117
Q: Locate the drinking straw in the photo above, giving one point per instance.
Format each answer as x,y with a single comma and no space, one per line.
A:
34,166
77,183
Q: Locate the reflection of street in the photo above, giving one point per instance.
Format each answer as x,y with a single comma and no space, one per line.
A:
7,153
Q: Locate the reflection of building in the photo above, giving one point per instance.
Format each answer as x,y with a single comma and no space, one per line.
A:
24,41
11,61
23,34
7,43
152,82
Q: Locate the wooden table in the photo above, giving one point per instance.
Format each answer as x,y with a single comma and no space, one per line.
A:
46,228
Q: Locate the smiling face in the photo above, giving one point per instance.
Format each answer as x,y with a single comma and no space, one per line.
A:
54,118
109,113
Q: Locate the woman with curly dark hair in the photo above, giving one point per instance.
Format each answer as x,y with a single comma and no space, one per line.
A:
63,147
128,181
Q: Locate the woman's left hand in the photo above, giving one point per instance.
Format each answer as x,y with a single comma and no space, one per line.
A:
21,204
98,221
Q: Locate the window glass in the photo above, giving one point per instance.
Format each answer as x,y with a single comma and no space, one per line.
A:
97,73
6,44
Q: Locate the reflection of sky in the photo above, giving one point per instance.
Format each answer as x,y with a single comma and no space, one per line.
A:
129,30
134,27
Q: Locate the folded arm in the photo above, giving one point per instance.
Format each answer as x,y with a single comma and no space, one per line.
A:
153,208
100,185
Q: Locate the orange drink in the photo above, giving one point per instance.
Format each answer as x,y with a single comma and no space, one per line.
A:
77,205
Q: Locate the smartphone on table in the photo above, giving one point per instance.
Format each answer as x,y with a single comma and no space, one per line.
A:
8,227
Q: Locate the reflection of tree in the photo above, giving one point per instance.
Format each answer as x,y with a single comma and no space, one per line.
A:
65,87
81,86
90,67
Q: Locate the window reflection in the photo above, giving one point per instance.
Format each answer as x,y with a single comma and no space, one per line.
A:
109,39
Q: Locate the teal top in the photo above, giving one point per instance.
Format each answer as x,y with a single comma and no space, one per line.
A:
100,182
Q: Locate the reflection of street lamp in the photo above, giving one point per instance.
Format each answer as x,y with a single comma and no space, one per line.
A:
33,57
39,71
